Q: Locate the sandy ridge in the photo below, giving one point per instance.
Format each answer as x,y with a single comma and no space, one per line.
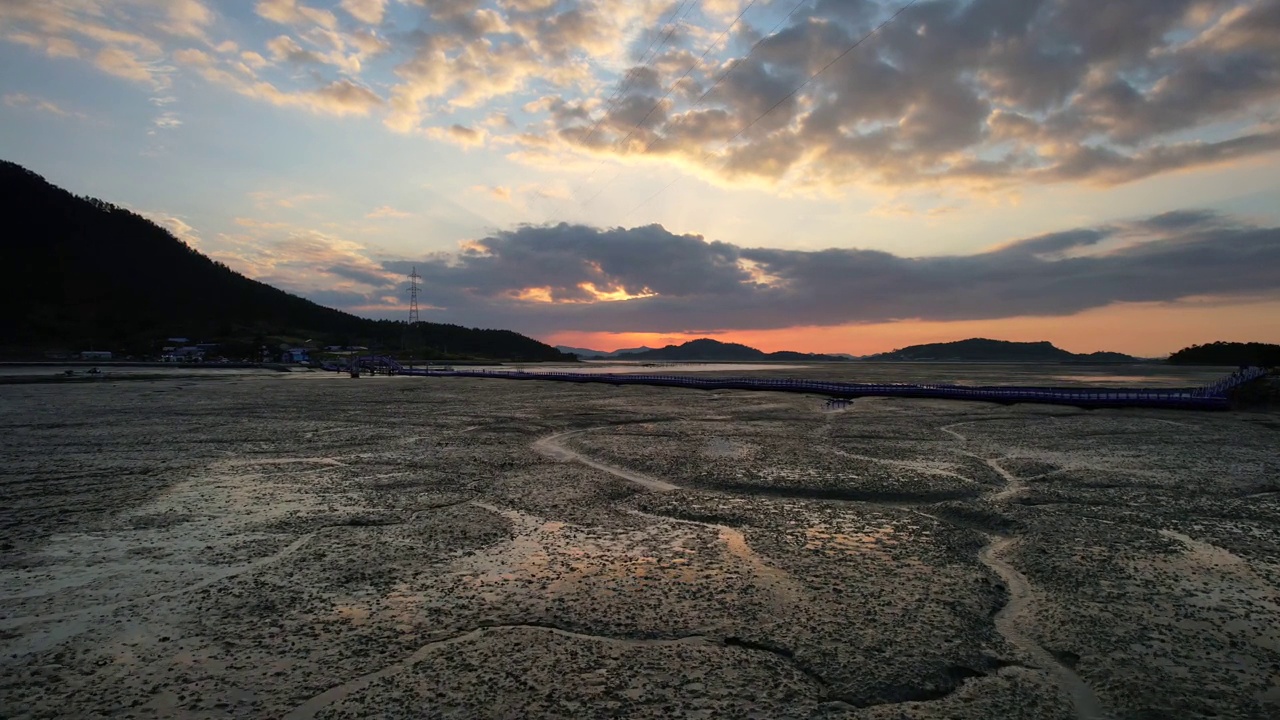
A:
551,447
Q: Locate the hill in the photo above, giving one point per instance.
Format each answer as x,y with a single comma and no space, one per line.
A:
705,350
628,351
589,354
1228,353
984,350
83,273
580,352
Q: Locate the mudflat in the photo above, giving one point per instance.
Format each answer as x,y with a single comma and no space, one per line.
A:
292,547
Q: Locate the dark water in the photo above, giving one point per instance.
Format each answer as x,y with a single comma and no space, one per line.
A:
108,371
1025,374
1137,375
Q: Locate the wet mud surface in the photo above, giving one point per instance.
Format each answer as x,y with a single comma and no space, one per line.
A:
447,548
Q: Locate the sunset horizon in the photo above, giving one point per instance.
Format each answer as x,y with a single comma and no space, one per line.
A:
1129,337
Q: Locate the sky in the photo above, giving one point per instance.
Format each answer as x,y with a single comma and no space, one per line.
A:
817,175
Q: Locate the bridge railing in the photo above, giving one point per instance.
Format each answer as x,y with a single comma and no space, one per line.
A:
1209,396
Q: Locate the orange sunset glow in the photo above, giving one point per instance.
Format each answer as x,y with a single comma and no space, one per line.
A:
1142,330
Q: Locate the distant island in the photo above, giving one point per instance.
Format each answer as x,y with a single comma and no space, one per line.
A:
972,350
1228,353
706,350
984,350
589,354
83,274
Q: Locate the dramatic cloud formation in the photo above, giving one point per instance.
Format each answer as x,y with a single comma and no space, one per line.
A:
645,279
984,93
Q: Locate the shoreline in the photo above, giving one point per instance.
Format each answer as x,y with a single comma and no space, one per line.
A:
140,363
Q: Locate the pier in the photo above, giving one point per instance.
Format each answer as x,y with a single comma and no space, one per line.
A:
1209,397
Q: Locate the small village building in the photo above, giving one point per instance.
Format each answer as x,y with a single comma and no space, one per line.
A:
189,353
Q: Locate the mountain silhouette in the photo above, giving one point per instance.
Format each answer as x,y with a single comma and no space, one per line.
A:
984,350
589,354
79,273
706,349
1229,353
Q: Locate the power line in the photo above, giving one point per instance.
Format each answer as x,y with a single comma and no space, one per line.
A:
660,41
629,79
605,115
687,72
718,81
737,63
784,98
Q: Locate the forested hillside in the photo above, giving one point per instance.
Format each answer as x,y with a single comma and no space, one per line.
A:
77,272
1228,353
984,350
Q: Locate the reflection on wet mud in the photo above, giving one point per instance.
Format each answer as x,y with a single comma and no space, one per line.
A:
538,551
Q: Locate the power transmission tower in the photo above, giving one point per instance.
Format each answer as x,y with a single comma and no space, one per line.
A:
414,277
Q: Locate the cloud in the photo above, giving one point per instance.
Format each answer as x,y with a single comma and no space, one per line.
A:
1057,243
285,48
197,58
386,211
134,40
53,46
466,54
86,19
117,40
316,47
257,224
253,59
292,12
458,135
646,279
339,97
520,195
40,104
499,192
124,64
900,208
302,259
167,121
185,18
326,48
367,11
367,42
270,198
975,94
175,225
365,276
1177,220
